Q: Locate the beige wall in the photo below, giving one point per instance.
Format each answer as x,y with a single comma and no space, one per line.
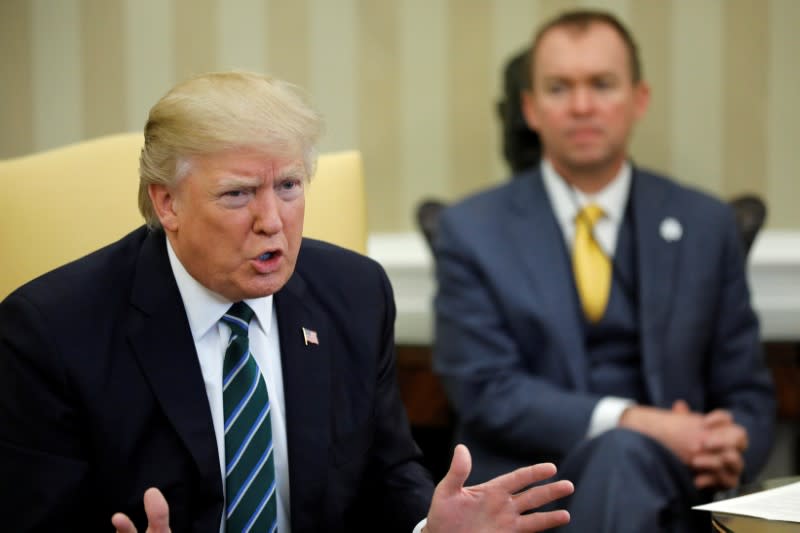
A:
412,83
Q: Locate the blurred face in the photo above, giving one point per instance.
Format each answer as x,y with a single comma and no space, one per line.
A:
235,221
583,102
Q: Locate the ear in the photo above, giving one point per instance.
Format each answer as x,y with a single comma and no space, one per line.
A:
529,109
641,95
164,202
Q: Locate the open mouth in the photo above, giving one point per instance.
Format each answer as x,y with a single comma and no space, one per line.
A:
267,262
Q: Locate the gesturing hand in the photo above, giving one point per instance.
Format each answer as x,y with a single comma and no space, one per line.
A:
156,509
498,504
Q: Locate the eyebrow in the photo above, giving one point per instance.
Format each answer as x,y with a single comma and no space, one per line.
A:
591,75
291,170
239,180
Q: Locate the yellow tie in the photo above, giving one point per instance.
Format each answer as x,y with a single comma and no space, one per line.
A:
591,265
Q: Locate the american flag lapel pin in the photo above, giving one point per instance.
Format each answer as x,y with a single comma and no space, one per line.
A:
310,336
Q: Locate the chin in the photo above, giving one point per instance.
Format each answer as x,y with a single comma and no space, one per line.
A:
259,289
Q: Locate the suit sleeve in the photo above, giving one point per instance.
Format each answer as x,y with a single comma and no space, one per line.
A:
42,452
493,391
738,378
404,486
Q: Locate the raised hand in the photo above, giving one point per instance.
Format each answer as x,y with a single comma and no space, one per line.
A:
498,504
156,509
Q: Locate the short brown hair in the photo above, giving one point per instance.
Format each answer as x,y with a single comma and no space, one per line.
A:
580,21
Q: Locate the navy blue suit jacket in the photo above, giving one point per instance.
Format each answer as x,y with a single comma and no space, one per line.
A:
101,397
509,339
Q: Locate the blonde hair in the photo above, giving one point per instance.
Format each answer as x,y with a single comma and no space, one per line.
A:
220,111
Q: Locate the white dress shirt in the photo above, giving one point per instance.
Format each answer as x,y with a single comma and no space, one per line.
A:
567,201
204,310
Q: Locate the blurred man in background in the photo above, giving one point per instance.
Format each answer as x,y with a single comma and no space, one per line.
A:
596,314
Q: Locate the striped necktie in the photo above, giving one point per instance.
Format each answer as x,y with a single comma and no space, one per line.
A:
591,265
249,463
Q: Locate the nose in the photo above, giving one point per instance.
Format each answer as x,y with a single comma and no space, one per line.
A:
266,213
582,101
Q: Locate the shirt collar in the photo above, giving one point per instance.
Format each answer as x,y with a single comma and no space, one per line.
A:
567,200
204,308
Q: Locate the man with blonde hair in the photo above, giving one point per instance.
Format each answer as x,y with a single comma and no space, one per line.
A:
213,370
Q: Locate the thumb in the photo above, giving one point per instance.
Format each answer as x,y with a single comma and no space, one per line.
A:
157,511
122,523
680,406
460,467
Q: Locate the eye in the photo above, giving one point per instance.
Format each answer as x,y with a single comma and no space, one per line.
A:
237,197
289,188
603,83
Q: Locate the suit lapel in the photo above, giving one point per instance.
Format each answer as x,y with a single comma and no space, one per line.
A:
307,397
161,338
539,241
657,258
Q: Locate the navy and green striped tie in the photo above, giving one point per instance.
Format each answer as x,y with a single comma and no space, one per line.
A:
249,463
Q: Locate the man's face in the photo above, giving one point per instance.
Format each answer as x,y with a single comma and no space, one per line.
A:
235,221
583,102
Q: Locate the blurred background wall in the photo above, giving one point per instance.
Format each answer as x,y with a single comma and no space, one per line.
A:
413,83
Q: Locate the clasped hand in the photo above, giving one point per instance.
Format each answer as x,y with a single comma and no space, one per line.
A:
710,444
501,504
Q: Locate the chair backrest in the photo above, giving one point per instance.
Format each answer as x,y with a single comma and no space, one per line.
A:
336,204
751,213
61,204
427,218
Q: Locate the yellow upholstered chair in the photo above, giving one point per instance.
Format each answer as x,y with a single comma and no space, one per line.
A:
336,204
58,205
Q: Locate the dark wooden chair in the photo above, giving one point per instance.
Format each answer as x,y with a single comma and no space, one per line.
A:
427,219
750,212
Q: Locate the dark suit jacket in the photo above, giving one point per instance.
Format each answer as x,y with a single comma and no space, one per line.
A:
101,396
509,336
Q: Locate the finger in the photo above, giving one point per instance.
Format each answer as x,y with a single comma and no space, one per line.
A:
729,478
732,463
718,479
542,494
157,511
707,461
520,478
719,470
460,467
704,481
717,417
680,406
122,523
733,436
727,459
541,521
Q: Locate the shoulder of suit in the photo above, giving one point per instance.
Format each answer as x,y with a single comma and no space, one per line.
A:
682,194
331,272
496,197
321,257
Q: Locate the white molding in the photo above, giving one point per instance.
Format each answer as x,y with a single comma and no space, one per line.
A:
774,274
